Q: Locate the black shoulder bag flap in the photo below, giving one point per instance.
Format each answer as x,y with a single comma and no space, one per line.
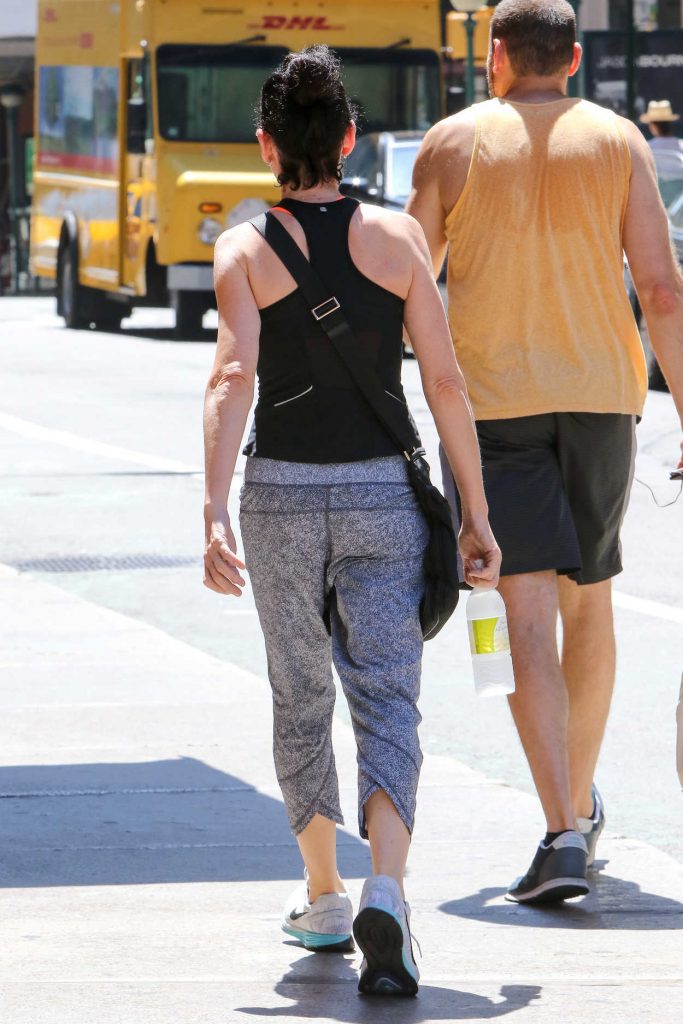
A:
441,554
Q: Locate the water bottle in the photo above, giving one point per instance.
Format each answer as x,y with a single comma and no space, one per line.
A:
489,642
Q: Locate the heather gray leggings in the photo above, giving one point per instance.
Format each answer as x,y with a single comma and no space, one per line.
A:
351,531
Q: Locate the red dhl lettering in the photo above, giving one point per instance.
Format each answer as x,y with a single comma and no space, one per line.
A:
300,22
86,41
50,14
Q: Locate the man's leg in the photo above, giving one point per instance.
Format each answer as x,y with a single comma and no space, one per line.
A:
539,704
588,665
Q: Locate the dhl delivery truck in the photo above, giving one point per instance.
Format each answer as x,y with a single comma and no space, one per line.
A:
145,146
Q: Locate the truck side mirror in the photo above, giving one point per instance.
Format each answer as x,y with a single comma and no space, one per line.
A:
136,133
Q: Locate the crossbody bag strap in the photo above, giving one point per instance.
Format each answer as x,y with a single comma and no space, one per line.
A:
327,312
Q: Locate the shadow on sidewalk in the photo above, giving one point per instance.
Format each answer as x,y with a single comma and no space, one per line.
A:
167,821
613,903
325,988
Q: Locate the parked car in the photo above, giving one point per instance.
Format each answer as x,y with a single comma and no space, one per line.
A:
654,374
380,169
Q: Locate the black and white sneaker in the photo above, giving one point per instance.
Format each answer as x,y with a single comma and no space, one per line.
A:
557,872
591,828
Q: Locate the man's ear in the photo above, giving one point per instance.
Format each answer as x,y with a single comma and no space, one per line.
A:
576,59
500,55
349,139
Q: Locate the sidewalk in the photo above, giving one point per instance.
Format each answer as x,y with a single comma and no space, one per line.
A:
145,856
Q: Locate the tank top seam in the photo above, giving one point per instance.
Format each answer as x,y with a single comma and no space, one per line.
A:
471,170
628,168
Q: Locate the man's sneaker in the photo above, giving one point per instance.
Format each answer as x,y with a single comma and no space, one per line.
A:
592,827
324,924
382,930
557,872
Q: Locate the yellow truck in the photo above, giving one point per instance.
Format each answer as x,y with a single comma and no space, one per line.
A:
145,148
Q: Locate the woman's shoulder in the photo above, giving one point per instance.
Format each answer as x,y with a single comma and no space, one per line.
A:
388,226
233,248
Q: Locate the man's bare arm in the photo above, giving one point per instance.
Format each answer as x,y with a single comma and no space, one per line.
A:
439,177
654,266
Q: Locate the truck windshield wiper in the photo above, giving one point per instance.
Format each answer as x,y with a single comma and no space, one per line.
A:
245,42
194,53
400,42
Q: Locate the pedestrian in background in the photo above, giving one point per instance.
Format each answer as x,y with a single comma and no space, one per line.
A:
329,520
537,196
666,147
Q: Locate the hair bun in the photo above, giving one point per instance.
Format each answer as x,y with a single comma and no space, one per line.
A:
313,77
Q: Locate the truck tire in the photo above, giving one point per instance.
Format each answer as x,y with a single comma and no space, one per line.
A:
109,319
189,310
72,302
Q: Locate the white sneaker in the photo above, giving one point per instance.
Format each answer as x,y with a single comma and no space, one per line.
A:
324,924
382,930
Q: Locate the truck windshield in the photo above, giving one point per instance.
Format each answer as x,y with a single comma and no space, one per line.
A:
209,93
394,90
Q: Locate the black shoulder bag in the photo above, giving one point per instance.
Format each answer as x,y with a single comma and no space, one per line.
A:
441,555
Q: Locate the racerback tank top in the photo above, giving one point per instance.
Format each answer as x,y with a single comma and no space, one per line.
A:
309,409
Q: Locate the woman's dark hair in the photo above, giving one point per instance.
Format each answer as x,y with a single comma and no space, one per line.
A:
305,109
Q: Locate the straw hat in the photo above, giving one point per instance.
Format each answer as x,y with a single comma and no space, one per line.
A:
659,110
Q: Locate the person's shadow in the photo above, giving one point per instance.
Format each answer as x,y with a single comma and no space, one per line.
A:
325,988
613,903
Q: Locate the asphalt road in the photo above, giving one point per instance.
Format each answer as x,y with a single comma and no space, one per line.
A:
100,456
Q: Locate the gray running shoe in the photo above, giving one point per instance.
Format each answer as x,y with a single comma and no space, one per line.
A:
557,872
591,828
382,930
324,924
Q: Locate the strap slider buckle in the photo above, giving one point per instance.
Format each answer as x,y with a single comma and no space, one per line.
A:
416,454
325,308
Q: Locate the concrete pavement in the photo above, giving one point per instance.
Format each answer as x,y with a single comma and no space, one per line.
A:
145,856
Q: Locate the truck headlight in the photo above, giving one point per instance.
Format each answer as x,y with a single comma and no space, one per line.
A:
209,230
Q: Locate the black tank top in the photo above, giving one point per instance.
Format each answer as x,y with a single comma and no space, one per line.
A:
309,409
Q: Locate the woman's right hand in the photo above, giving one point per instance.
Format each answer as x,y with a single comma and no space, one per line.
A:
480,554
221,563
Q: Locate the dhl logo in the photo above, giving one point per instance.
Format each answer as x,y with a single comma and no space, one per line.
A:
299,22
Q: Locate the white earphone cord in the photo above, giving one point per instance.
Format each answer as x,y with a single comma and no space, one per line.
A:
660,504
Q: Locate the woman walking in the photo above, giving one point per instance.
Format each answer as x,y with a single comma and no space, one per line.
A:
333,535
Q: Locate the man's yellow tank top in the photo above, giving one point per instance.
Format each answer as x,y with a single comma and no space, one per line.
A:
538,310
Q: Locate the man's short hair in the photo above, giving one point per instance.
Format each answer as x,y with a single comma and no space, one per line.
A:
539,34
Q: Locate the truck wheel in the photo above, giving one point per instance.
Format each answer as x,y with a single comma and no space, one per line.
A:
70,300
189,310
109,316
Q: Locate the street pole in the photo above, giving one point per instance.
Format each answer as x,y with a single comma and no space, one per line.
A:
469,77
11,97
469,8
630,61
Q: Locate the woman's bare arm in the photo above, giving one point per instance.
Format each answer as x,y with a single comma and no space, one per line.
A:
446,393
228,398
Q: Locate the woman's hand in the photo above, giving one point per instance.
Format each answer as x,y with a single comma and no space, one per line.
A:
221,564
480,554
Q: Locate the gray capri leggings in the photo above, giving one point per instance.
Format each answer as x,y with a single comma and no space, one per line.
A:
352,532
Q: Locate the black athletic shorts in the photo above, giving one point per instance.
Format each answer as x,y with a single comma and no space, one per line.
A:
557,486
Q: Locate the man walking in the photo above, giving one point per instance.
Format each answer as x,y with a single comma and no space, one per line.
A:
536,196
666,147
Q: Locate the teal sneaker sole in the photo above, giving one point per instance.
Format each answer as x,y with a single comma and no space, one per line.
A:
316,942
380,937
